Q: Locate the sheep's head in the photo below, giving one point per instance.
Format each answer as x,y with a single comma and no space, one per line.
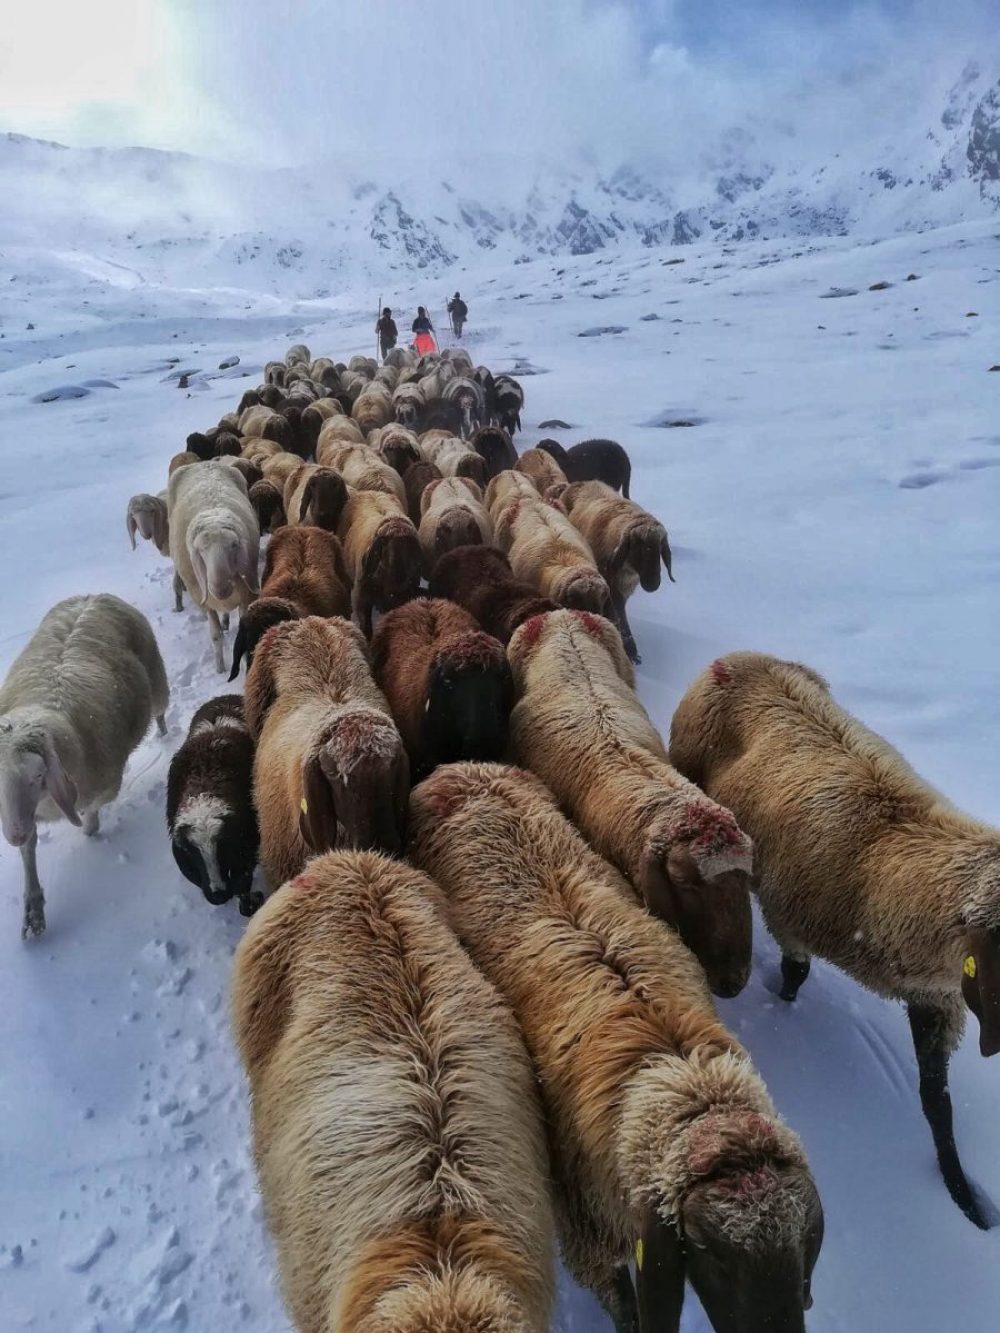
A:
221,562
644,547
30,769
211,849
407,412
695,875
147,515
355,785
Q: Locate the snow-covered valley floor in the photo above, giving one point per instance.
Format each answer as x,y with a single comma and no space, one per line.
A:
833,500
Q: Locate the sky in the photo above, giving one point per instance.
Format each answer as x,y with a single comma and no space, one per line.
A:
301,81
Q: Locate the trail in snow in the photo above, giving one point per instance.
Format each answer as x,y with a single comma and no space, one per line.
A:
828,471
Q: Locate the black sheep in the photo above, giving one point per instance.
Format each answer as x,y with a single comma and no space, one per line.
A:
593,460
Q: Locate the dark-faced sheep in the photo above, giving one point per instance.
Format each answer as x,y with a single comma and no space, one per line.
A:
147,516
330,768
268,504
664,1143
468,398
480,579
210,814
495,446
416,479
593,460
396,1127
452,514
628,543
448,684
383,554
858,860
579,725
316,496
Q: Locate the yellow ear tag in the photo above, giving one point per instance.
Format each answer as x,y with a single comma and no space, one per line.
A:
969,966
638,1253
303,807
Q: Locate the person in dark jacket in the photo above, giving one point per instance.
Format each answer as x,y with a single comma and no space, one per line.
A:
422,323
459,312
387,331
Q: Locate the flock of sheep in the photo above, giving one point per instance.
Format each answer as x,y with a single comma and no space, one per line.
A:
475,1008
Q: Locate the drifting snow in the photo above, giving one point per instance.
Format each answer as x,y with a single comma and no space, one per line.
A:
836,504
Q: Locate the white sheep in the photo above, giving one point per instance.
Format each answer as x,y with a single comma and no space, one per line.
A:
76,702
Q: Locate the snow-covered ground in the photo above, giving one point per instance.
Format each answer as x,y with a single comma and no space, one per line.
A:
834,500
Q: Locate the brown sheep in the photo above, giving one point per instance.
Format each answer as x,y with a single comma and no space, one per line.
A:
330,769
454,457
480,579
448,684
580,727
342,430
546,551
315,495
628,544
396,446
506,487
383,555
452,515
363,469
664,1142
256,450
181,460
859,860
372,408
268,504
396,1126
304,570
280,467
415,480
542,468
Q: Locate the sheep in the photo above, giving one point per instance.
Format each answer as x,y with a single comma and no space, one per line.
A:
484,378
494,445
415,481
336,431
408,404
506,486
363,365
383,554
452,515
297,442
593,460
304,575
396,446
363,470
330,769
454,457
321,366
251,398
266,423
226,445
76,702
628,544
315,495
388,376
399,357
214,542
467,395
508,398
256,450
396,1126
541,468
271,395
580,727
299,355
147,515
859,861
268,504
183,459
250,472
372,407
545,550
480,579
448,684
201,444
664,1142
210,815
440,414
314,417
279,467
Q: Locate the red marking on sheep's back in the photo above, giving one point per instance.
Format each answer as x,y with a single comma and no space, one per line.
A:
591,623
709,828
721,673
473,650
304,882
531,630
442,794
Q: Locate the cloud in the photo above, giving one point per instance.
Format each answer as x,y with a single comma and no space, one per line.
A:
458,82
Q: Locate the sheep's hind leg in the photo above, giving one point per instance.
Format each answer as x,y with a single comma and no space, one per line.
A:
618,1298
628,639
34,898
933,1029
215,633
794,970
161,724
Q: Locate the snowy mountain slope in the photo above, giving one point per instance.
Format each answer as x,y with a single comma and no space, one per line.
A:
184,220
835,502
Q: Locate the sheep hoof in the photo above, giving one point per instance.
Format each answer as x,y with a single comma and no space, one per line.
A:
251,902
92,822
34,920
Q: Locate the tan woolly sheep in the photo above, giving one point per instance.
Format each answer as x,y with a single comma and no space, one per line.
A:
546,550
580,726
665,1144
541,468
363,469
452,515
396,1126
859,861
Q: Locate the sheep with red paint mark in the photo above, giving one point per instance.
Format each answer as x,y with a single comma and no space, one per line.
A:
546,551
580,726
480,579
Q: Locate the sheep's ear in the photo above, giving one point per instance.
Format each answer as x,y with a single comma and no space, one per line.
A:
427,492
132,527
261,690
59,784
655,887
665,555
317,815
239,648
161,527
659,1271
200,573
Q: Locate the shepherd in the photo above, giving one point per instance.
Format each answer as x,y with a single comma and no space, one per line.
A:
423,333
459,312
387,331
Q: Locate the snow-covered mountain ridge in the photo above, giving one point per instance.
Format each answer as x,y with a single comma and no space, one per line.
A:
169,213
